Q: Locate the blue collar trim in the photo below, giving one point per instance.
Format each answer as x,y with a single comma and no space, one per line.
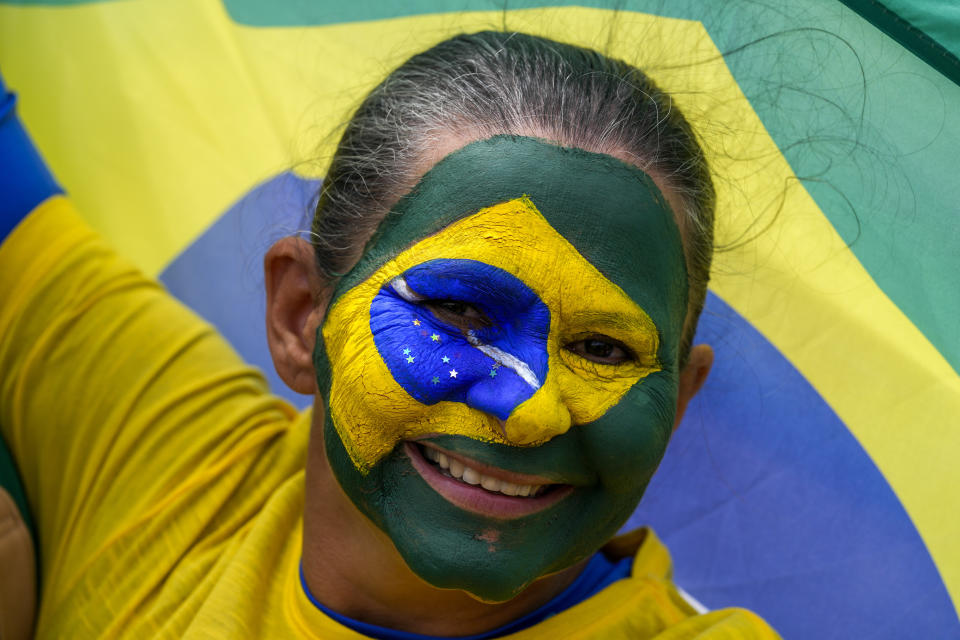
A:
596,576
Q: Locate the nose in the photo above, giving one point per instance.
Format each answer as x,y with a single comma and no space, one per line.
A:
527,416
540,418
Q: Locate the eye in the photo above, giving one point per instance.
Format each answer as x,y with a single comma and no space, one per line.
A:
602,350
460,314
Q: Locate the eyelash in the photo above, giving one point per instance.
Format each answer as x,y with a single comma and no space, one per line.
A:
628,355
460,317
441,309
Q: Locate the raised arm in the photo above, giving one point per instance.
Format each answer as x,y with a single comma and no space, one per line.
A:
131,420
25,182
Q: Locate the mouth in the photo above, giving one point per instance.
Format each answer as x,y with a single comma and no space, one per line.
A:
483,489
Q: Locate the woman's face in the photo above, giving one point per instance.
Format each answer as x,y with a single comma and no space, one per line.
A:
500,368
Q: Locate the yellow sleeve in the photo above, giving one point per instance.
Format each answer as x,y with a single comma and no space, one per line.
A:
723,624
115,400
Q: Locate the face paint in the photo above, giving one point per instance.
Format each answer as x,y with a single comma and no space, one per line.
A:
464,328
510,378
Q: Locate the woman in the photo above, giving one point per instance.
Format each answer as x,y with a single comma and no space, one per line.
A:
510,254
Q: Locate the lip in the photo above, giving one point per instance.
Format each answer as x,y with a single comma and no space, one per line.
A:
478,500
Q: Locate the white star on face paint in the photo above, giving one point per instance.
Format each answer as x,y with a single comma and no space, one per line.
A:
453,373
445,359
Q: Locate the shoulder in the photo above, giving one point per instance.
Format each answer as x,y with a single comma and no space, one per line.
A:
648,605
653,570
723,624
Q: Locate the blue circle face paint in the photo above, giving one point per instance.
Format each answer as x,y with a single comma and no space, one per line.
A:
492,366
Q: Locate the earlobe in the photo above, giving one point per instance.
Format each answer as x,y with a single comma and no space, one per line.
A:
692,377
297,300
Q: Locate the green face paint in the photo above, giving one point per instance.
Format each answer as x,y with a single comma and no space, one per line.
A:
455,238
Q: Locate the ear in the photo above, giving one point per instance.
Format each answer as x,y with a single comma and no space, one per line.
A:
692,378
297,299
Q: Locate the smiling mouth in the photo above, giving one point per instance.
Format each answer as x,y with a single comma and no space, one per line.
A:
482,489
456,469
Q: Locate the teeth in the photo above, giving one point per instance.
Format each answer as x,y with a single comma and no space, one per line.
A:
458,470
490,484
470,476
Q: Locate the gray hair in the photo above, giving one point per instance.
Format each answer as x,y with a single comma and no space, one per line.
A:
490,83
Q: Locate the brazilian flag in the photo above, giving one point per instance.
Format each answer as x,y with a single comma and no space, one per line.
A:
816,479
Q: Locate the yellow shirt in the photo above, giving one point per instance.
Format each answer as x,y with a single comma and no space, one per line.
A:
167,483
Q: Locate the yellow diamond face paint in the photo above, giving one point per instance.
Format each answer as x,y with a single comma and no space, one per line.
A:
514,238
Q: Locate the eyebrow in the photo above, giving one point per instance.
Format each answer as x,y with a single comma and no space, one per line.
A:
458,277
613,320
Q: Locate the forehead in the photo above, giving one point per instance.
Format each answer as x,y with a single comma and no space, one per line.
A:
610,212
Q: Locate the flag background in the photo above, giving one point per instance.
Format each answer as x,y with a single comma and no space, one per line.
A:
815,480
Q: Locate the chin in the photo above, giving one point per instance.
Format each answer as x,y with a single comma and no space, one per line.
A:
449,547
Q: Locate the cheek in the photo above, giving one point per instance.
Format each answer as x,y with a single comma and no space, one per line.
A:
362,405
370,408
626,444
365,406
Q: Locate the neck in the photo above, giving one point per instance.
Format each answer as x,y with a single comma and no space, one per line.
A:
354,569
